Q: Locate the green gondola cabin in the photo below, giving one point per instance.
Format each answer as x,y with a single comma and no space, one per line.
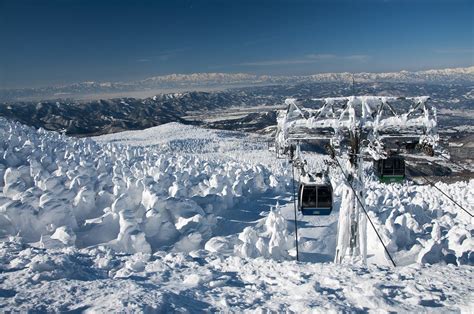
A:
391,169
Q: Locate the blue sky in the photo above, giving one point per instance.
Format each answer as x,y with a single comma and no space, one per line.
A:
62,41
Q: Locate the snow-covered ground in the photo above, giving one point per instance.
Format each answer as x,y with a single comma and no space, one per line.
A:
178,218
100,280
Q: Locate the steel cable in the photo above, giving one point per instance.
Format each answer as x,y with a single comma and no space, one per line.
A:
423,175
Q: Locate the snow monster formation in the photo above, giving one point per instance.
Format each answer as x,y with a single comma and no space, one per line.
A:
59,191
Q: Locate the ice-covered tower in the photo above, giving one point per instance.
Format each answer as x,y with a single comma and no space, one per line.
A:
356,127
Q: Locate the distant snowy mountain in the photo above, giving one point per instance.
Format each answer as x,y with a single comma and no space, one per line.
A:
456,75
215,78
202,80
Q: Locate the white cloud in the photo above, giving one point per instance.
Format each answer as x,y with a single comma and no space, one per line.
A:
164,55
323,56
310,58
361,58
277,62
454,50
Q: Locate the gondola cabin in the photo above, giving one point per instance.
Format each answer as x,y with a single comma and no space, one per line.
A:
315,199
391,169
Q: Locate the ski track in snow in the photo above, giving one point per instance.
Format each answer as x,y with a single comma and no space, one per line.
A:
179,218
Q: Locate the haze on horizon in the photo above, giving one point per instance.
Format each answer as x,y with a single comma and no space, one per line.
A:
53,42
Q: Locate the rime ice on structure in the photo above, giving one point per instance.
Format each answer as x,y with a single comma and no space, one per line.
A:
356,126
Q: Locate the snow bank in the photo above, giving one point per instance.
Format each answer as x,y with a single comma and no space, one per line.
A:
62,192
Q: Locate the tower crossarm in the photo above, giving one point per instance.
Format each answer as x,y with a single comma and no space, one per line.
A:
376,117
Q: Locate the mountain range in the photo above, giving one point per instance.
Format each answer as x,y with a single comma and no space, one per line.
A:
197,81
246,109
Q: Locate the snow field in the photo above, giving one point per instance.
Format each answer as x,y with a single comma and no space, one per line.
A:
178,218
178,187
99,279
59,191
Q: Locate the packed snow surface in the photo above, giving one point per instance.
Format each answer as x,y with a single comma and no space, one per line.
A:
178,218
101,280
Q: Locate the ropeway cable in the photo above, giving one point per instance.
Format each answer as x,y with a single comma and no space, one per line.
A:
423,175
366,214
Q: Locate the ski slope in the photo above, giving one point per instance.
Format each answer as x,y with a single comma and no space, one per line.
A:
179,218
